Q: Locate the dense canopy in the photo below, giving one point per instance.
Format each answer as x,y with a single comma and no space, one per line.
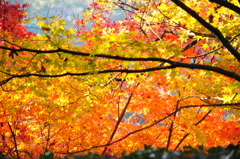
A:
166,75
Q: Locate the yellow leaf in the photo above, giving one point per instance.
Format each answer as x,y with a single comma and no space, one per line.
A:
40,23
61,27
227,98
205,46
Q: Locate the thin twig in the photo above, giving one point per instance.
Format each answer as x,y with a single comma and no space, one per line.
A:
171,126
14,140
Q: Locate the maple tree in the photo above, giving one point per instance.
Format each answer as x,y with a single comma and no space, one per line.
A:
167,75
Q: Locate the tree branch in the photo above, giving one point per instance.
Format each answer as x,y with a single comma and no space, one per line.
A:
157,68
214,30
227,5
14,140
171,126
118,122
173,64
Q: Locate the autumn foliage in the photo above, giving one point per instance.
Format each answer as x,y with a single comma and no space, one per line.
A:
167,75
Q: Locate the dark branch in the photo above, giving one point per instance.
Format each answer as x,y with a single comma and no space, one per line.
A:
214,30
191,44
86,54
118,123
204,117
227,5
182,139
173,65
14,140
